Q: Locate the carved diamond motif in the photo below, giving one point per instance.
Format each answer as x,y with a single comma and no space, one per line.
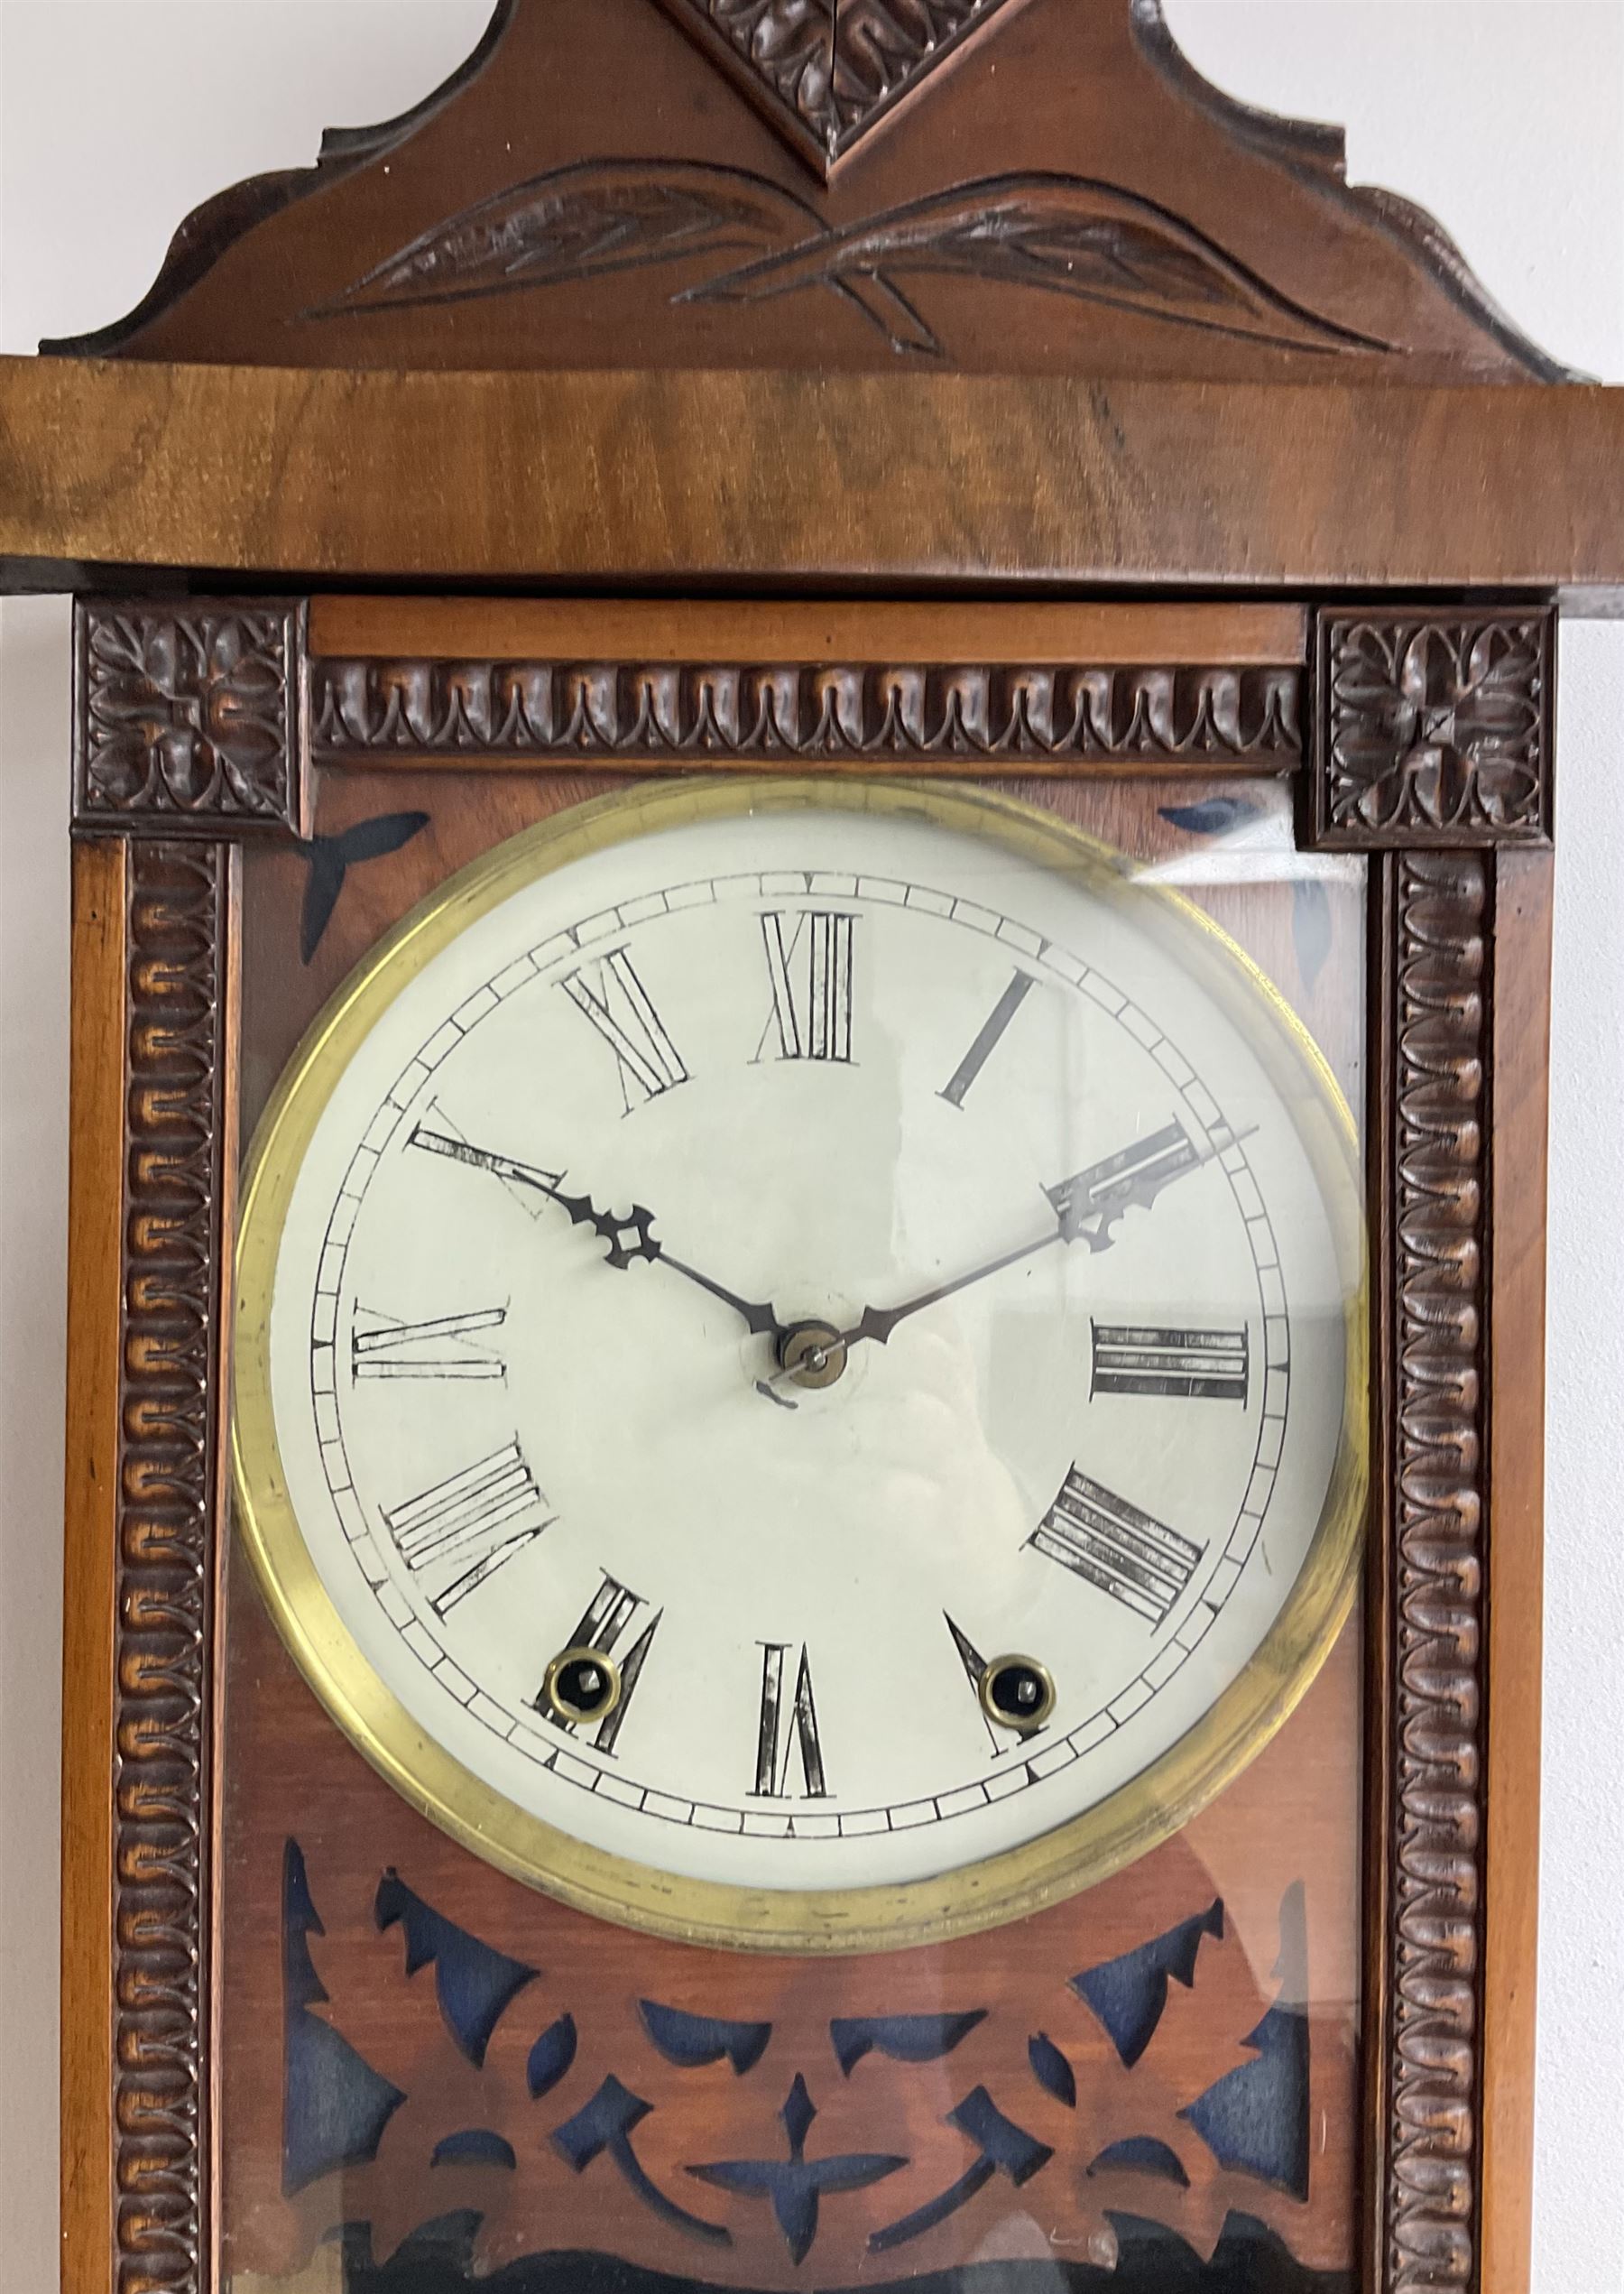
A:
825,71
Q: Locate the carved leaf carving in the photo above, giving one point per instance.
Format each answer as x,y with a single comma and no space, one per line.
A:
1055,234
1063,234
789,42
582,222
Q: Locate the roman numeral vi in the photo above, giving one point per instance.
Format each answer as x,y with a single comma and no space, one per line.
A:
603,1625
787,1725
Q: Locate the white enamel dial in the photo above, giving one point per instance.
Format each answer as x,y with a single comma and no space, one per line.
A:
1064,1208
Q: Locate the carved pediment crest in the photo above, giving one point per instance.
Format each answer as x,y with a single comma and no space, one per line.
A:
827,71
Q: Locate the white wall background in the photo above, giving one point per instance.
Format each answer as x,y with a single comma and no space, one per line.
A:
1506,117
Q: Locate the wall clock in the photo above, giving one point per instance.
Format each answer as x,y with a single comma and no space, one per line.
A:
808,1235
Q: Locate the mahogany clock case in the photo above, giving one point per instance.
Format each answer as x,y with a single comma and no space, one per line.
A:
951,392
426,2071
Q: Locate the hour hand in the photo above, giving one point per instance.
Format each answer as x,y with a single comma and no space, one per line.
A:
630,1237
1089,1204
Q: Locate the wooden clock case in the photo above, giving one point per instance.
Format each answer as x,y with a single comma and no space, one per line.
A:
936,388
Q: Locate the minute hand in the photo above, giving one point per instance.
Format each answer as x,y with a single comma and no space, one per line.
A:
878,1322
1086,1207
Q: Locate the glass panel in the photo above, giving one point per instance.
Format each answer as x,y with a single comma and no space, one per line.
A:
793,1666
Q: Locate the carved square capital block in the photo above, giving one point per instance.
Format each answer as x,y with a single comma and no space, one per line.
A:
1431,729
189,716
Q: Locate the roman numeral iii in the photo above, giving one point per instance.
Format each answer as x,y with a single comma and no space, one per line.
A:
788,1725
809,965
435,1349
1128,1360
470,1523
610,994
1129,1554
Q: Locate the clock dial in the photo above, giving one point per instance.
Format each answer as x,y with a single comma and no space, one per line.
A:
799,1363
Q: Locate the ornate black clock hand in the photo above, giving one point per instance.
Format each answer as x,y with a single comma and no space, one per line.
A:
629,1237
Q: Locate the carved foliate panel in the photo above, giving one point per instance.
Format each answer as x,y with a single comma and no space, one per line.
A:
189,716
824,72
1433,729
174,1247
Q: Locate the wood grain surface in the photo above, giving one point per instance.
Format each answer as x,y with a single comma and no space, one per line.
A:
728,478
96,1229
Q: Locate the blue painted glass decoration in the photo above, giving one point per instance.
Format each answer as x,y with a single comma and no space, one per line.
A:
474,1984
1051,2070
905,2038
474,2146
1141,2154
551,2056
795,2185
692,2040
1001,2149
1255,2118
1128,1994
334,2105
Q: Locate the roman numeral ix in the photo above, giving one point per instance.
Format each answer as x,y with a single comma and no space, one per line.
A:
602,1626
472,1523
612,996
786,1725
1098,1536
435,1349
1128,1360
811,974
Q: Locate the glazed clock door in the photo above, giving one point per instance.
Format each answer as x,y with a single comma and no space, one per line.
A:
800,1461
